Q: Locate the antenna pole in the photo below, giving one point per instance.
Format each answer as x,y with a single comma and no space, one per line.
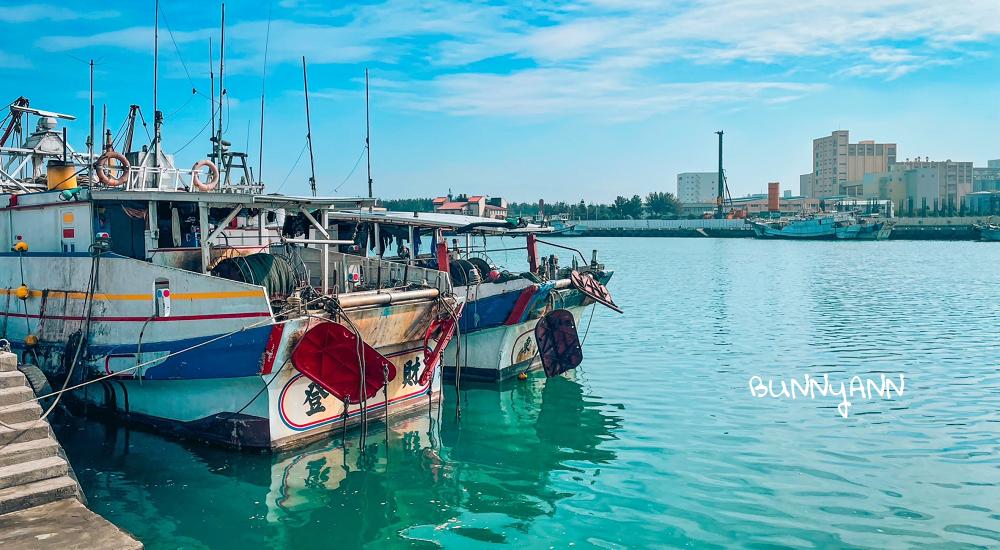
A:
104,126
90,140
211,88
157,116
309,139
222,89
368,136
263,80
156,49
722,182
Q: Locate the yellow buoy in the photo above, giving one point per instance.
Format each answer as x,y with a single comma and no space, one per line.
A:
22,292
31,340
21,246
61,175
522,376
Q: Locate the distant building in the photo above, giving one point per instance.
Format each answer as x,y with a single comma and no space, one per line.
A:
836,162
481,206
805,185
985,195
697,186
920,184
986,179
946,181
755,204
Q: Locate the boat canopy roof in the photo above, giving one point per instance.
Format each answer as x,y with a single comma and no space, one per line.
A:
246,199
454,222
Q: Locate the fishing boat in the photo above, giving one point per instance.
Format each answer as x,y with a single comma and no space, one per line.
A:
874,229
988,230
822,226
194,304
498,331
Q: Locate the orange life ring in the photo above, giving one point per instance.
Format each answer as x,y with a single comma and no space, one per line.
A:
104,169
213,175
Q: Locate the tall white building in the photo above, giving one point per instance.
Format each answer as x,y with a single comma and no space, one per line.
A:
697,186
836,161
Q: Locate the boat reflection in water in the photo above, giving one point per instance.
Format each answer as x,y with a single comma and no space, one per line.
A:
485,477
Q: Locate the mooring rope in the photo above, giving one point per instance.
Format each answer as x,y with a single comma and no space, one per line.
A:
95,267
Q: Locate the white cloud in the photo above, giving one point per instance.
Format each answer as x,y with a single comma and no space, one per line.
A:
13,61
609,94
603,56
38,12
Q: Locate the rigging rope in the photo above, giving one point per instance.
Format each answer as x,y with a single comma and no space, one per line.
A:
293,167
176,49
365,148
195,136
179,109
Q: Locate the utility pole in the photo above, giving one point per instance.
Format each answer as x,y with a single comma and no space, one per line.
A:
312,165
368,136
722,183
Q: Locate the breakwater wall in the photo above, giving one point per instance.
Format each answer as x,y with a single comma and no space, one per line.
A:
920,229
659,228
957,228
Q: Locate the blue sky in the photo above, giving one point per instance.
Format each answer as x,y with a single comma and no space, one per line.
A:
544,99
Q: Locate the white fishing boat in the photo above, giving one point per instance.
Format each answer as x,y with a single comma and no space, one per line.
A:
498,337
202,307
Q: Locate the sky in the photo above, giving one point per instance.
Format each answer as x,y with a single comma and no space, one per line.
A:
558,100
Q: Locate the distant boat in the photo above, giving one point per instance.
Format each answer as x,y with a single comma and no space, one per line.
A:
824,226
988,230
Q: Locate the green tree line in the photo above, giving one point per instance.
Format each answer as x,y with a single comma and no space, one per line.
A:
657,204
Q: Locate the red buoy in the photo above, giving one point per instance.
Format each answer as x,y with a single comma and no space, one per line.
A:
328,355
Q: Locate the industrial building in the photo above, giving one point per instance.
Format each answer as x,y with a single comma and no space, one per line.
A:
697,187
836,161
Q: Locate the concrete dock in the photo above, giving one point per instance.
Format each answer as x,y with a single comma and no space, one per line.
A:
41,503
62,525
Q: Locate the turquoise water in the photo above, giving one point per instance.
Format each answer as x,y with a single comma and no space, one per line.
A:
657,440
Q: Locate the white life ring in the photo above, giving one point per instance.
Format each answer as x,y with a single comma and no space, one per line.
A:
104,169
213,175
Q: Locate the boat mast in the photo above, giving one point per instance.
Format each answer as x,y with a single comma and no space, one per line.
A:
90,140
312,165
211,89
157,115
263,80
222,89
722,182
368,136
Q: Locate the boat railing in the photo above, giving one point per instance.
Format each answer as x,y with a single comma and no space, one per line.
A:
159,178
377,273
349,272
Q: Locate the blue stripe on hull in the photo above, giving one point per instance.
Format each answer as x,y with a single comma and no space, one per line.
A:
233,356
488,312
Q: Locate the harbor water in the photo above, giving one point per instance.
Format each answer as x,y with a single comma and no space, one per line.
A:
661,438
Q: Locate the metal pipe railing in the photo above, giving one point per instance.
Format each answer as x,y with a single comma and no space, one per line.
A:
386,298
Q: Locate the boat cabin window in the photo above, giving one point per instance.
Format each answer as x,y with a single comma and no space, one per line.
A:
125,223
177,223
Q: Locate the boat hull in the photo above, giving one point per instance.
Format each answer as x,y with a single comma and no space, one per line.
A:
497,339
988,234
217,369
